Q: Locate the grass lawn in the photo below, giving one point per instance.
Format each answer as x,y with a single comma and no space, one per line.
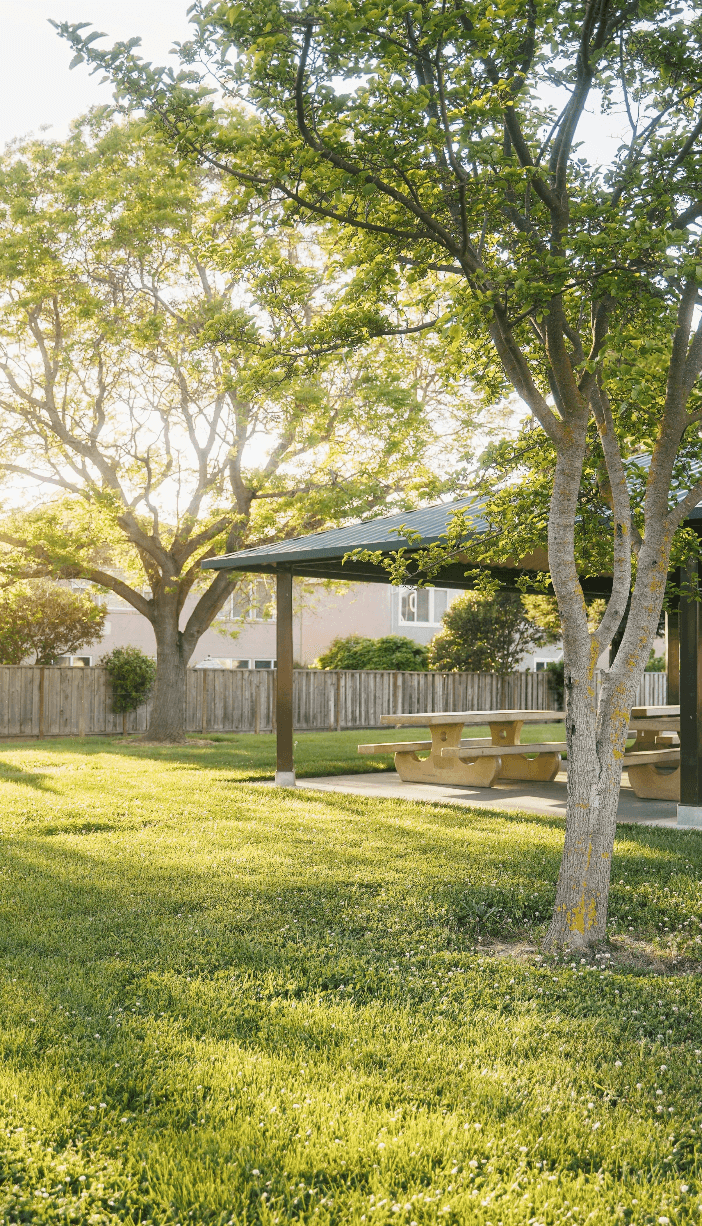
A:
332,753
223,1003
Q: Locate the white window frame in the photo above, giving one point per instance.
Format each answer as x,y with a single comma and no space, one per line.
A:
431,592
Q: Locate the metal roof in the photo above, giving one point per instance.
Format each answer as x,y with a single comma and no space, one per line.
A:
321,554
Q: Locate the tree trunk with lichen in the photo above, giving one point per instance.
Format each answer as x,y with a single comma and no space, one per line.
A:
596,738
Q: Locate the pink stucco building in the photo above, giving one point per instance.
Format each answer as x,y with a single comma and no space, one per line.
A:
320,615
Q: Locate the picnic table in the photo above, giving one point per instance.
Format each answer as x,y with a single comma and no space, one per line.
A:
477,761
653,761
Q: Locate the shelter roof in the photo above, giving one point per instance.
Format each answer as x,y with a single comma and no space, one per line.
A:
321,554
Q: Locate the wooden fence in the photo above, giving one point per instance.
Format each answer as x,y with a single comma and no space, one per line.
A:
77,701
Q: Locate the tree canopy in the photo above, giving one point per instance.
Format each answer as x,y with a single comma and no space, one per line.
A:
41,621
154,379
484,634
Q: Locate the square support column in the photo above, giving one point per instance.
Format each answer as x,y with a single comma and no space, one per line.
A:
672,656
690,807
285,766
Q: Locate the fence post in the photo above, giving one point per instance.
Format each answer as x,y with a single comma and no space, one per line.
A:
81,711
257,704
42,686
203,721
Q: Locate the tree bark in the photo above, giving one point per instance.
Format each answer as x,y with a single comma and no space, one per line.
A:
596,739
167,721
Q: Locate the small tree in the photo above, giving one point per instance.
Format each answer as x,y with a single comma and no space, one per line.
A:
388,653
40,618
132,674
484,634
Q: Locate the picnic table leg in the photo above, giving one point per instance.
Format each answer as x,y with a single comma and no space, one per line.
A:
434,769
650,782
541,769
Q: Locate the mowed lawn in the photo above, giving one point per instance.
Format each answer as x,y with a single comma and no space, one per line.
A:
223,1003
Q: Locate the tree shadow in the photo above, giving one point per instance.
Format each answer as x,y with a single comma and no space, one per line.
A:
10,773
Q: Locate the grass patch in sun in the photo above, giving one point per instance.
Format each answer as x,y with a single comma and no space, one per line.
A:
221,1003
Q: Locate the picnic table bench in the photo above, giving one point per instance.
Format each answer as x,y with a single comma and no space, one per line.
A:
477,761
653,761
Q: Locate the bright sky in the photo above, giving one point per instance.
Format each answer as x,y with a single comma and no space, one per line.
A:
36,87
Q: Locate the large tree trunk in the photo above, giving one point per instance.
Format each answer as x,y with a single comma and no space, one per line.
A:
167,721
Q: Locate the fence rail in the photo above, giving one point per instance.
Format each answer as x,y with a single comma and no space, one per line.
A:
77,701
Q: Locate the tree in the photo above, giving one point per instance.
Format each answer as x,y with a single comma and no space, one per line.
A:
44,620
454,148
151,373
484,634
393,651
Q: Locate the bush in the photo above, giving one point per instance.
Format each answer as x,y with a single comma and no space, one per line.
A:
393,652
656,664
132,674
556,681
484,634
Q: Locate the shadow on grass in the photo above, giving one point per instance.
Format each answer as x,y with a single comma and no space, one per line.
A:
10,773
251,756
108,931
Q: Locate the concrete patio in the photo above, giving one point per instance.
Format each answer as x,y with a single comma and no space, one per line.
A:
548,799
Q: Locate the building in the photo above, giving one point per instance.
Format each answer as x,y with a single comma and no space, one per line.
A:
245,632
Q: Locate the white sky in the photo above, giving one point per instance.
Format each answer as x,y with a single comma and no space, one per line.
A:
36,87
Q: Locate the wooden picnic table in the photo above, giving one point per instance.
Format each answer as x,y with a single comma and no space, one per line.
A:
652,763
477,761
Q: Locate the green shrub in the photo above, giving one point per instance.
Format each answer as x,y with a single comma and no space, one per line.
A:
656,664
484,634
132,674
391,652
556,681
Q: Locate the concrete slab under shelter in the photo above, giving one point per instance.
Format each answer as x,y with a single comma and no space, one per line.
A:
543,798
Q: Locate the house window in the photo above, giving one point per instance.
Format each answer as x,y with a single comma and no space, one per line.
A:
423,606
253,600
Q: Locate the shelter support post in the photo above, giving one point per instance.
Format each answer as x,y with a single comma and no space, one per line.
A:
690,807
672,655
285,766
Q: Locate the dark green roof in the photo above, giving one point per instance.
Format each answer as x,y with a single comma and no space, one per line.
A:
321,554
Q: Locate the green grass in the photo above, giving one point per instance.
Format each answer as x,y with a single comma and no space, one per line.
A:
221,1003
335,753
